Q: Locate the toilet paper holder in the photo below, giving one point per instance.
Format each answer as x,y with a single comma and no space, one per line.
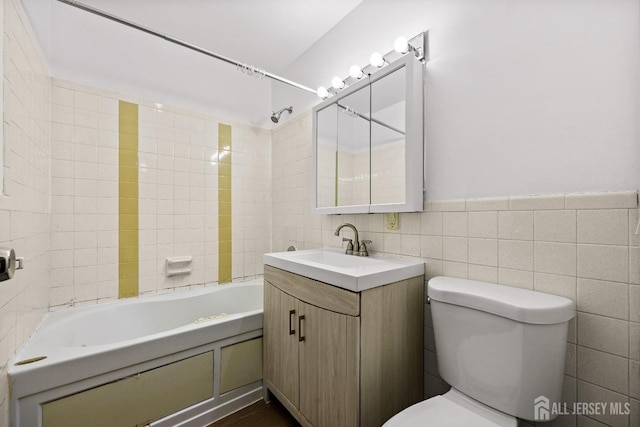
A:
9,263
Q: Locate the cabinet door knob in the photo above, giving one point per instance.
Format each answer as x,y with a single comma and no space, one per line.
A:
301,336
292,314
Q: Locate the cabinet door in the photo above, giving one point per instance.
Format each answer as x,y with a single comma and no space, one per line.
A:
281,341
329,367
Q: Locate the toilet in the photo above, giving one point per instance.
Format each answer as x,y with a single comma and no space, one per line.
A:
502,350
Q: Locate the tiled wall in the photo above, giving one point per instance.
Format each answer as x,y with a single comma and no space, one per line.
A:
178,195
583,247
326,188
24,207
580,246
293,223
84,196
251,199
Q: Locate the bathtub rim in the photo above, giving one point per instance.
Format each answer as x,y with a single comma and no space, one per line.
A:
64,312
53,319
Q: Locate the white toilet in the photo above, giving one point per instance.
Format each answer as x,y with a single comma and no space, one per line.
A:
500,348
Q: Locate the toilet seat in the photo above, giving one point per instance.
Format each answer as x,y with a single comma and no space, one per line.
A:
452,409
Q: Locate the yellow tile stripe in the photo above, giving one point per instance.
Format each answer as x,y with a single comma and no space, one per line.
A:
224,204
128,201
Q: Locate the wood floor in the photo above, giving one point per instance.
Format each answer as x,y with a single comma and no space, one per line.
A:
258,415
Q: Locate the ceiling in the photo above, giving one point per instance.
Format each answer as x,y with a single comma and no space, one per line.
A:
271,34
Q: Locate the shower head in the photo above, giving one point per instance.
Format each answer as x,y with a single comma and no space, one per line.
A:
275,116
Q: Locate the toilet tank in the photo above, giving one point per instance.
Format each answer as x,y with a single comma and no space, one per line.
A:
502,346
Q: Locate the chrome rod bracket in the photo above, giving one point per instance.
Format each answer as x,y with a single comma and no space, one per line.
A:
420,44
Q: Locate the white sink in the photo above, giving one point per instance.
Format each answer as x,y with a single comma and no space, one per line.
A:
350,272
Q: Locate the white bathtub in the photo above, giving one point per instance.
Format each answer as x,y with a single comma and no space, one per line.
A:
91,346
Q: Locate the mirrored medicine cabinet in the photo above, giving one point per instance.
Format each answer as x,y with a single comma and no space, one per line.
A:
368,143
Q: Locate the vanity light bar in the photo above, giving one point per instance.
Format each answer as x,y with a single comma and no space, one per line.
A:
418,45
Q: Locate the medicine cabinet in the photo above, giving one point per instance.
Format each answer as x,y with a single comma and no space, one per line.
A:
368,143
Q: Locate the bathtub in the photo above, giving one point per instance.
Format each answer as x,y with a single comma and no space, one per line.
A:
98,353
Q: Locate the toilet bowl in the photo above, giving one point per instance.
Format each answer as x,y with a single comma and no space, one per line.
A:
452,409
500,348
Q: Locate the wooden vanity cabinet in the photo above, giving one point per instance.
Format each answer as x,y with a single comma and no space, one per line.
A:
338,358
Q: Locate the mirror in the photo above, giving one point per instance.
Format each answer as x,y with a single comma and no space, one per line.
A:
368,144
388,139
353,149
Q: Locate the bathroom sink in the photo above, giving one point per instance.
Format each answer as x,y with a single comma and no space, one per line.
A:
334,259
349,272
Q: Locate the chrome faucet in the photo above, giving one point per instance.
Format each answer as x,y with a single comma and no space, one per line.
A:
351,248
357,248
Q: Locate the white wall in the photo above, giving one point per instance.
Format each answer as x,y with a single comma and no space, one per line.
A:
523,97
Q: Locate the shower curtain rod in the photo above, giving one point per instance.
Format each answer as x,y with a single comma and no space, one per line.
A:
182,43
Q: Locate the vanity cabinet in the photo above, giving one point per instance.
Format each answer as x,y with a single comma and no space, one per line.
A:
337,358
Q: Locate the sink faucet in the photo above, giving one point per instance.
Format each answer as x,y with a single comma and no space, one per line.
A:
353,249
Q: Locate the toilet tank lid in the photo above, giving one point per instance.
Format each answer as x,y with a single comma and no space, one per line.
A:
521,305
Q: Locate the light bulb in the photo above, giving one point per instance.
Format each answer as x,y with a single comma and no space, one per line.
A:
337,82
376,59
401,45
355,72
323,92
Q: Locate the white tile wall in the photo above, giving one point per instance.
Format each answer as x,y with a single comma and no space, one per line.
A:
178,194
173,147
84,238
251,199
581,246
24,207
293,223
